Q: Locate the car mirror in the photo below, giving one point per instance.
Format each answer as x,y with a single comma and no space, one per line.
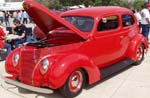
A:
104,20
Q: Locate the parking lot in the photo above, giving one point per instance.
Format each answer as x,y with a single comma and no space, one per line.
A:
134,82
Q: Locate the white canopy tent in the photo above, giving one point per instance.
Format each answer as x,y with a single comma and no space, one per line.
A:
11,6
2,1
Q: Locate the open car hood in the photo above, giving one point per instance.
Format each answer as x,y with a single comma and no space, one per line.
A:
47,20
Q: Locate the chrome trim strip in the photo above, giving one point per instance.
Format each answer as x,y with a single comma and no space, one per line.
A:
28,87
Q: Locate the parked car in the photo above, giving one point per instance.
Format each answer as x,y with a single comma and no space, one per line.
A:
1,49
2,34
1,43
2,52
81,47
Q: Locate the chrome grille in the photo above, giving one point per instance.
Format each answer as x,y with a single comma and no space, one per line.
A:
27,66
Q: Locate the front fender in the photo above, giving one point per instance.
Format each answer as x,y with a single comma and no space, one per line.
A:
134,44
9,64
61,70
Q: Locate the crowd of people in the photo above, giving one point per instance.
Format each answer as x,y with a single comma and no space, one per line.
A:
21,15
143,18
17,36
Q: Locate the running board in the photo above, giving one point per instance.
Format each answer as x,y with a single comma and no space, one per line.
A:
107,71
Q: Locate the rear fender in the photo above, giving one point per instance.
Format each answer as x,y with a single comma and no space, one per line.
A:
134,44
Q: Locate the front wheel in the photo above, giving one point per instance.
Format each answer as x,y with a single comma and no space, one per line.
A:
74,84
139,54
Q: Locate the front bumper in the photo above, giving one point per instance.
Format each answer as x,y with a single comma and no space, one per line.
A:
28,87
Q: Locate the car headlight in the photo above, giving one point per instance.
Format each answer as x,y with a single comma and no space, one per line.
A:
15,59
44,65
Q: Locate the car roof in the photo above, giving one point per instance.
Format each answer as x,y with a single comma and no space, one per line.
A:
96,11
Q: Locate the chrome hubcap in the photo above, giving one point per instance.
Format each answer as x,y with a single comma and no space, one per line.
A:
139,53
75,81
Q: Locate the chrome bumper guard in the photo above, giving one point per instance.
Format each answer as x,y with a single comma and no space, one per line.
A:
28,87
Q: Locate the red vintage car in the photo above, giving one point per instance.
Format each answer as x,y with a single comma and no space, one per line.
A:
81,47
1,43
2,34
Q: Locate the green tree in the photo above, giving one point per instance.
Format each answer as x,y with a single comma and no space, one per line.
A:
56,5
134,4
52,4
107,2
137,4
76,2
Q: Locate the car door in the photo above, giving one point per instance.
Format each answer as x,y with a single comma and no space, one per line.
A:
107,42
129,29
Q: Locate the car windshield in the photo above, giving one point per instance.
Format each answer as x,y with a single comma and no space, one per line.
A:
84,24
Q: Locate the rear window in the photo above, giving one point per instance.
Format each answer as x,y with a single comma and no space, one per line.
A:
127,20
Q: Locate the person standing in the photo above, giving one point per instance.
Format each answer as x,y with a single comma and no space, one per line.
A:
145,21
138,17
1,16
6,17
15,14
25,17
19,15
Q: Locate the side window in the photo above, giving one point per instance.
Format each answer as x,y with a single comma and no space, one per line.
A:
127,20
108,23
